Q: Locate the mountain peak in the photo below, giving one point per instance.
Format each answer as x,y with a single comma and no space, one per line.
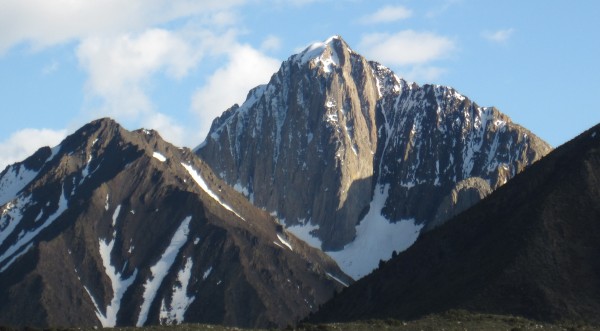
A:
335,144
325,54
123,219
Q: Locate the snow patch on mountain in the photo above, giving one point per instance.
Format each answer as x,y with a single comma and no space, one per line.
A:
241,189
336,279
316,53
376,239
12,213
116,215
207,273
200,181
26,237
245,191
118,283
159,156
305,232
284,241
161,268
13,181
86,170
16,256
172,314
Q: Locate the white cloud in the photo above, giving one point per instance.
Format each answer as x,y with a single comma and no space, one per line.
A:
127,48
118,65
406,47
121,68
168,128
387,14
25,142
223,18
271,43
44,23
499,36
120,48
230,84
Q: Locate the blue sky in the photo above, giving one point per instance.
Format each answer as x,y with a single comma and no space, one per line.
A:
173,65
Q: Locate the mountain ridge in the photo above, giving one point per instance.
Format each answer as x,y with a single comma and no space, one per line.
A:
333,135
126,229
528,249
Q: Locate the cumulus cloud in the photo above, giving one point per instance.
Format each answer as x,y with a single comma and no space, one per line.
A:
44,23
230,84
120,48
498,36
25,142
127,47
406,47
387,14
121,68
168,128
118,67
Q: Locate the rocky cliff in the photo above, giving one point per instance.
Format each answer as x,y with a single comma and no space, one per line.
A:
354,159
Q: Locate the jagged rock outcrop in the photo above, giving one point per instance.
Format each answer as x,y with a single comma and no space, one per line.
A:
531,248
114,227
333,136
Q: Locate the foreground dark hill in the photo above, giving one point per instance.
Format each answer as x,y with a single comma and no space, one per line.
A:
344,152
114,227
531,248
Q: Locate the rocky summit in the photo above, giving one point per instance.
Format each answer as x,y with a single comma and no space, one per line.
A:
358,161
118,228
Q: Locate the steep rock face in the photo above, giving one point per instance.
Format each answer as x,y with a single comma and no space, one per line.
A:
299,144
531,248
432,138
332,137
114,227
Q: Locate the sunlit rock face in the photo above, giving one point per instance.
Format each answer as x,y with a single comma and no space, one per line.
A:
331,131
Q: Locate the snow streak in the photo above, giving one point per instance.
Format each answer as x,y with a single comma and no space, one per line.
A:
26,237
118,283
161,268
174,313
285,242
15,179
159,156
200,181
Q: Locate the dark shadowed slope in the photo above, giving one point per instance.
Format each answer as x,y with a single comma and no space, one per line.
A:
532,248
114,227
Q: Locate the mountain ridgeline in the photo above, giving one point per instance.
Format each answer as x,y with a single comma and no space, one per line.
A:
116,228
528,249
319,175
345,153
